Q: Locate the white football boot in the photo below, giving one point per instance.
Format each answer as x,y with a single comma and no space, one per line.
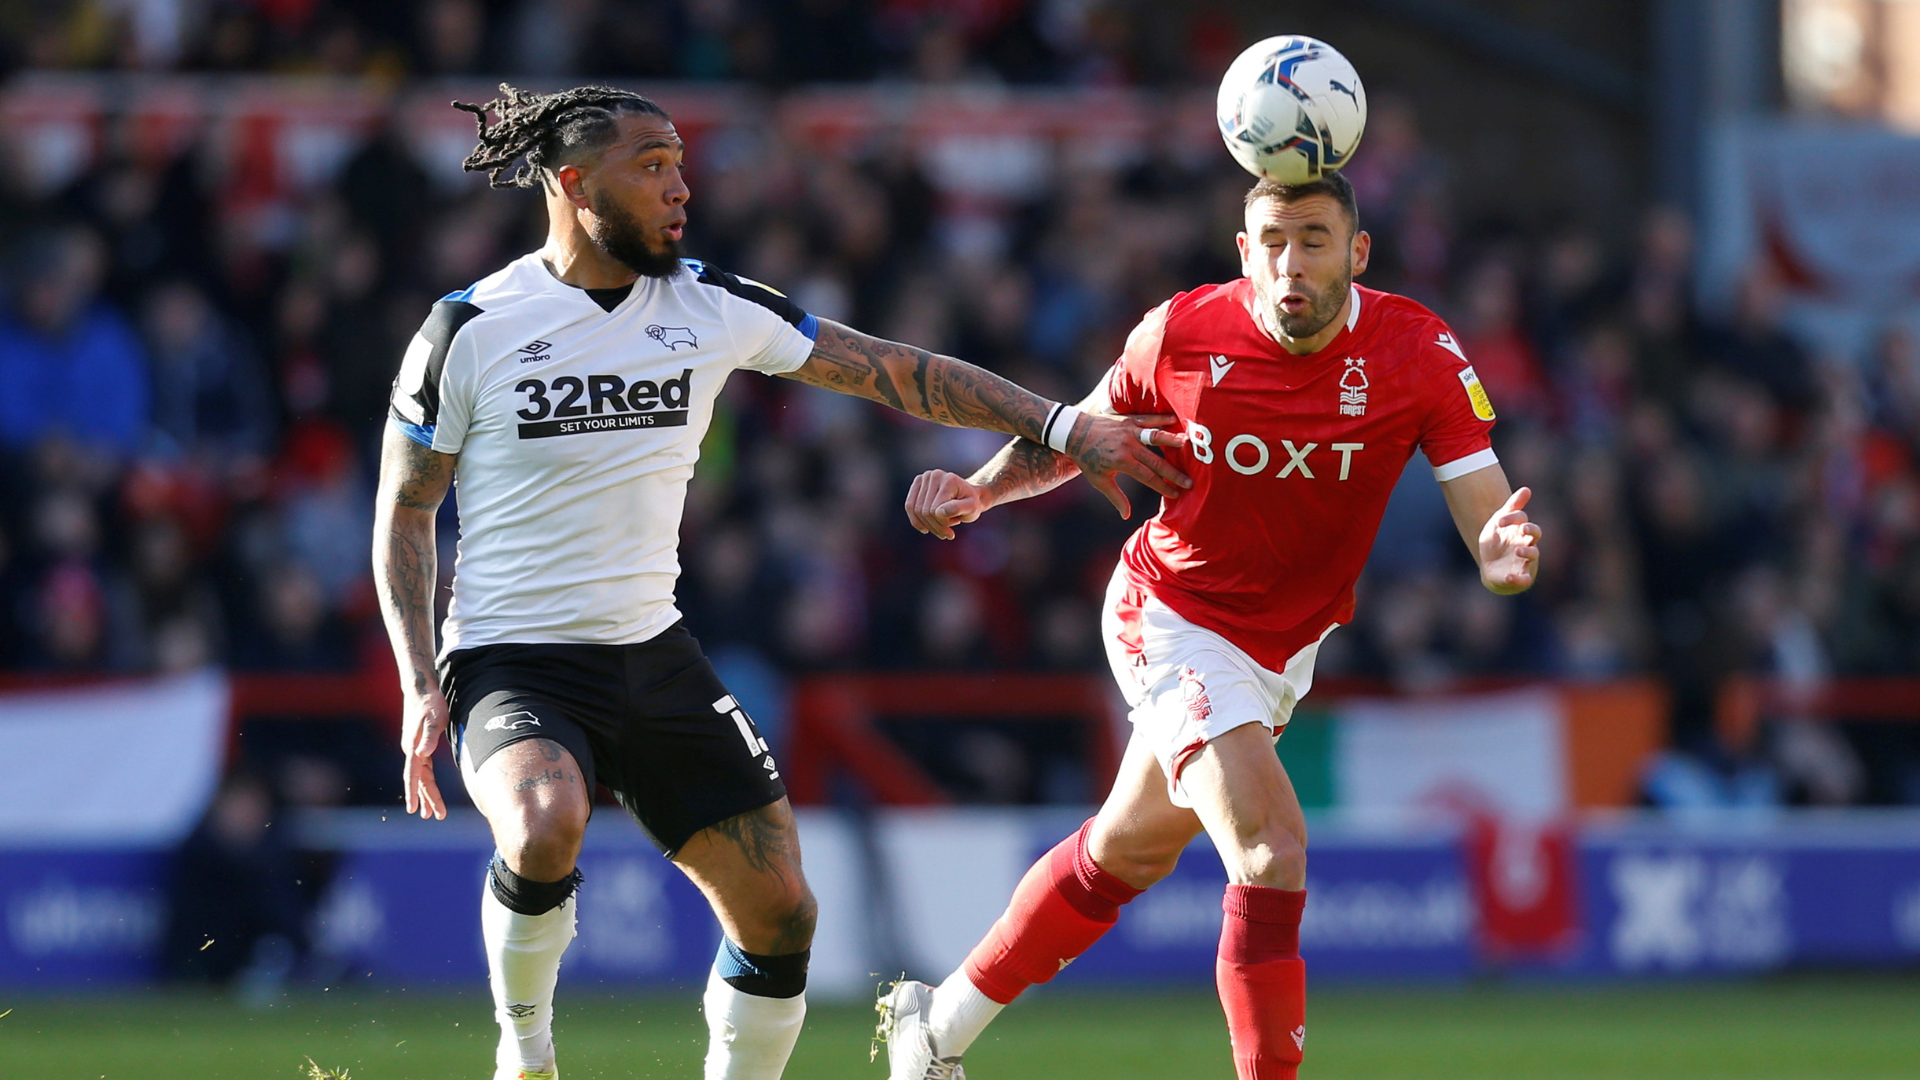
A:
903,1027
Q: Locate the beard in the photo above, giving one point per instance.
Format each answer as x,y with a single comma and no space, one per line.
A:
615,232
1322,306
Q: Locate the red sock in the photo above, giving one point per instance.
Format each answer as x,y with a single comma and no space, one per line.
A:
1061,908
1263,981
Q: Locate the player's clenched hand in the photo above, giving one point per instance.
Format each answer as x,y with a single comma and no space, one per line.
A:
423,722
1107,447
1510,547
939,500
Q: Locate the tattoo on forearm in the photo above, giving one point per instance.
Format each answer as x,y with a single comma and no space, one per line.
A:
409,569
413,479
1024,468
939,388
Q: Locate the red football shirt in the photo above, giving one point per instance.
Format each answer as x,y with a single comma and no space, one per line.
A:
1292,457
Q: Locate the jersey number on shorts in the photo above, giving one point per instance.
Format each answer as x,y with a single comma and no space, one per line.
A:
756,746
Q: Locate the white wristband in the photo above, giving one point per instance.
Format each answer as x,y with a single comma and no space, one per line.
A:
1059,427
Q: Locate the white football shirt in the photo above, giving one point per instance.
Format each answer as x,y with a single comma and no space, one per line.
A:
577,417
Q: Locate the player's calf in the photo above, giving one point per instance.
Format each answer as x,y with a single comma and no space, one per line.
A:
1248,805
749,868
526,925
534,797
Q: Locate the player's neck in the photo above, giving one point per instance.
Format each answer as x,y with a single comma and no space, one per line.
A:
1305,346
576,260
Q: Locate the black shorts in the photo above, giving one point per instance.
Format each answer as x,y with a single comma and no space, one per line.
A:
651,721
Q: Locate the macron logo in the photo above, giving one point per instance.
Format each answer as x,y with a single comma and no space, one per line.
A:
1220,365
1447,342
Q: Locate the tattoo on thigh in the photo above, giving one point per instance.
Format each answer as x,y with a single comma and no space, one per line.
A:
767,842
548,749
543,778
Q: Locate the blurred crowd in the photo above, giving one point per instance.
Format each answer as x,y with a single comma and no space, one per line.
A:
195,380
773,43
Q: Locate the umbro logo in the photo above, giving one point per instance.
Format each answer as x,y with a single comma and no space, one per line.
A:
500,723
1220,366
519,1011
673,336
536,352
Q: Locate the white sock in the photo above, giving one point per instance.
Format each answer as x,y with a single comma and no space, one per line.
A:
748,1037
523,964
959,1014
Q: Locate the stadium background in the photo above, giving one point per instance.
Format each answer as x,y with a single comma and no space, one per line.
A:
1677,239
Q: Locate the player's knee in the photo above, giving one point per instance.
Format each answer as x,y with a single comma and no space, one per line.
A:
783,922
1140,858
799,918
1274,858
543,845
1139,867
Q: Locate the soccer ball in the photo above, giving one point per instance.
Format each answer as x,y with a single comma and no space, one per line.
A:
1291,109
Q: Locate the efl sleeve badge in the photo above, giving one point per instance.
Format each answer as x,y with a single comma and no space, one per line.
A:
1482,405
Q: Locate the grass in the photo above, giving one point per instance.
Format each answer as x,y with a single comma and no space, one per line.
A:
1802,1028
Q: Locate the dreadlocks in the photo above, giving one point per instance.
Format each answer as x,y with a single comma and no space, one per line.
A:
544,128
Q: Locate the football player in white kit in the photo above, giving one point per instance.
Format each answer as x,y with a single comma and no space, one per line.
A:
569,392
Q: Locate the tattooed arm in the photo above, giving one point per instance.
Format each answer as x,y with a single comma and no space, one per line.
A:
413,481
939,500
958,394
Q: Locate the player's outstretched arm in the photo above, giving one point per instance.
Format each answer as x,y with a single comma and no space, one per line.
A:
1492,519
939,500
413,481
958,394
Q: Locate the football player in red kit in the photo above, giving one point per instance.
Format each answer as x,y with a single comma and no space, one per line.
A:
1294,399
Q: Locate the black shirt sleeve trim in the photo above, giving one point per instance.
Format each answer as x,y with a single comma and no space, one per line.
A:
771,299
443,323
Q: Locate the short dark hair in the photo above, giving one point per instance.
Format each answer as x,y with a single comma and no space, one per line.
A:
545,128
1333,184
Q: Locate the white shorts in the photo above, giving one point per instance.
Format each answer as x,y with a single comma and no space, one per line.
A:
1187,686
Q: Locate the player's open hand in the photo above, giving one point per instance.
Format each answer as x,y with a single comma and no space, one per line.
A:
939,500
1108,447
1510,547
423,722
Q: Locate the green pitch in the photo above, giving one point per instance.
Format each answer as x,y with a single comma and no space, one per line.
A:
1811,1028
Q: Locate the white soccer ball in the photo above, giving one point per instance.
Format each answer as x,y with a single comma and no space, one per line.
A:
1291,109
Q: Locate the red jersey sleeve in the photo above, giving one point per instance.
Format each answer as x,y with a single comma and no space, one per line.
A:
1458,436
1130,382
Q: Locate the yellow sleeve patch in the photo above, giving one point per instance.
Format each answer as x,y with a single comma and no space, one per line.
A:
1482,405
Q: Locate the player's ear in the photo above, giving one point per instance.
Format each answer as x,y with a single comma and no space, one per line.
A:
1240,241
1362,251
573,185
